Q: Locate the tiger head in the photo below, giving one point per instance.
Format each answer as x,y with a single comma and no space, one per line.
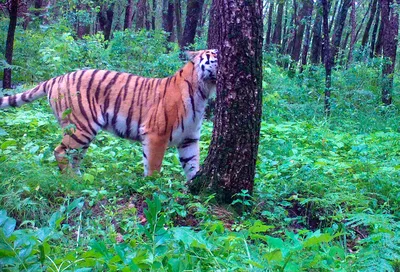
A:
206,64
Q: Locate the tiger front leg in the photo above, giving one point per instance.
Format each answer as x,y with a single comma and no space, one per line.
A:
189,156
153,153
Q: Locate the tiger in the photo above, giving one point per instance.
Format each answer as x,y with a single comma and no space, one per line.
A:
158,112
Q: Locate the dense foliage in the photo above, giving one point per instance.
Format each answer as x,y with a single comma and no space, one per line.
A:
327,193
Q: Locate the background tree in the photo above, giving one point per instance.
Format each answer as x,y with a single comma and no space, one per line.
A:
328,57
390,26
193,12
13,13
230,165
168,19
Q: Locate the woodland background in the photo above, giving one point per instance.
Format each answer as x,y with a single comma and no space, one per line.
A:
326,193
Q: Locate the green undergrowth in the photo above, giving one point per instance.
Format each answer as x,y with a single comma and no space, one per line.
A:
326,194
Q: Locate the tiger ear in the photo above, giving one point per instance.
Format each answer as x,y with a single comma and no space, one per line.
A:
191,54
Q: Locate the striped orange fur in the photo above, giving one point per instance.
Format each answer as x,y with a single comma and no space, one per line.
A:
159,112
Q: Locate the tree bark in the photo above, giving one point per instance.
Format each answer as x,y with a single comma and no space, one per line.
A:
302,19
153,15
269,26
374,32
192,18
306,45
379,43
168,19
290,32
213,27
339,26
13,11
390,21
106,17
316,45
277,36
128,15
335,11
230,165
178,20
353,31
369,23
142,15
327,58
203,15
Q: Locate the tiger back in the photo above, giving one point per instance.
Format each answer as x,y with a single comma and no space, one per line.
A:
158,112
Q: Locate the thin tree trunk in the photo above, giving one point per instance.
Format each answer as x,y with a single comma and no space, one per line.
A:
375,31
379,42
128,15
178,20
269,26
106,17
213,27
339,26
289,43
306,45
277,36
390,21
327,58
353,30
230,165
153,15
284,31
192,19
168,19
335,12
13,11
141,18
316,45
203,15
369,23
302,19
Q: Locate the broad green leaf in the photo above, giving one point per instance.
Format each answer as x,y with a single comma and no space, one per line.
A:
9,227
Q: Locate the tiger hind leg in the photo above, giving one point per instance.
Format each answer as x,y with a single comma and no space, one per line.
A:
153,154
72,150
189,156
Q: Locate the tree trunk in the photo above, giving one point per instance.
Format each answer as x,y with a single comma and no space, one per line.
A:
192,19
379,42
213,28
203,15
375,31
230,165
353,30
277,36
306,45
38,6
339,26
168,19
369,23
128,15
13,11
142,15
327,58
302,19
290,34
178,20
316,45
153,15
106,17
390,21
335,11
269,26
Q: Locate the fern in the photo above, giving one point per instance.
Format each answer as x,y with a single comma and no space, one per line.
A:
380,251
